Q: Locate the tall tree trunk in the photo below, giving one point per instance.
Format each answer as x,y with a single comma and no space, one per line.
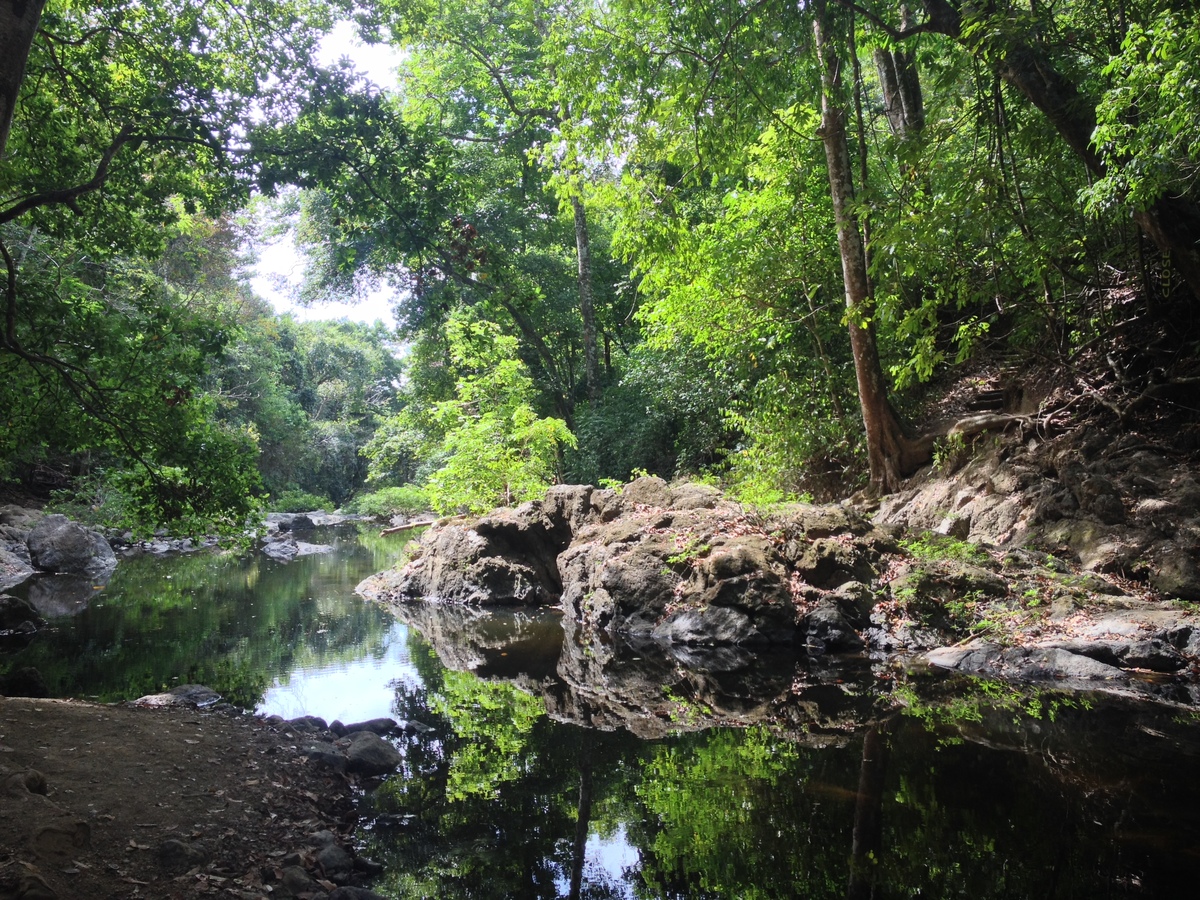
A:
583,821
587,308
1172,223
891,454
18,25
867,840
903,103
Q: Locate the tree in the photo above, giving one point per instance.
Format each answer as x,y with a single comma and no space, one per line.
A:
497,450
18,27
890,452
124,118
1010,40
501,60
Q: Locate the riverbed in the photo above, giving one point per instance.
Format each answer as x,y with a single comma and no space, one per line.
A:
533,771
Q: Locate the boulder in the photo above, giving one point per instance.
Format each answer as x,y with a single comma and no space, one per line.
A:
382,725
825,629
369,754
646,491
507,558
281,550
1025,663
187,696
15,565
1174,571
336,863
56,544
19,518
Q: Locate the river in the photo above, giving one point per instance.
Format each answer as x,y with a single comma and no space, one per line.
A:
533,770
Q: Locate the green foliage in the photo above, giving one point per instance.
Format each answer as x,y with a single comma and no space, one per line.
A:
298,501
928,545
493,721
1149,114
498,451
408,500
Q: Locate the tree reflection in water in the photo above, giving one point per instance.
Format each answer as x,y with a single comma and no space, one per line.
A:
979,797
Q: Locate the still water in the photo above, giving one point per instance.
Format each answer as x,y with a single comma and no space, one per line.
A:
543,770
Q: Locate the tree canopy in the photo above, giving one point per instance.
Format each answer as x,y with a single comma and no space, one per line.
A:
729,240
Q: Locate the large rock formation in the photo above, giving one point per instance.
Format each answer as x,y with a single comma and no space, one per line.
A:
688,579
676,564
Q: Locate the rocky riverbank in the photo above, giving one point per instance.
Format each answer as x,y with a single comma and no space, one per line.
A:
163,799
1071,562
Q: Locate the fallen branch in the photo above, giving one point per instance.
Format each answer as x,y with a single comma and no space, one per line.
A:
411,526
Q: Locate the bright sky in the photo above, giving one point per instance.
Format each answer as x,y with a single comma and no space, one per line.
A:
278,260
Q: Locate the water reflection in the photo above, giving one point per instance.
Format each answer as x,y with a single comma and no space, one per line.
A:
841,782
551,768
236,624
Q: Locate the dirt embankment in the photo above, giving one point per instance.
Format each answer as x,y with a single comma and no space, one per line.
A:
115,802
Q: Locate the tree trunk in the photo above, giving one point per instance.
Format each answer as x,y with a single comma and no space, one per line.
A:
583,821
587,309
890,454
903,103
867,840
1172,223
18,25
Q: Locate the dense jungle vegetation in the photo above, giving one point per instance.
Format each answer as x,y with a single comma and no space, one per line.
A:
729,238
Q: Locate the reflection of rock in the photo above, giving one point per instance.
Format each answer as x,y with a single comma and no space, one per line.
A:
306,549
24,682
17,615
501,643
640,686
56,544
285,548
63,595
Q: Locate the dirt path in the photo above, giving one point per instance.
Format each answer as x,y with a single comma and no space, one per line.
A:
115,802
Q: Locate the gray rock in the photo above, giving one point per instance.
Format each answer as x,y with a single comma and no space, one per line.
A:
178,855
281,550
308,724
1174,572
648,491
692,495
15,566
1024,663
712,625
826,629
19,518
382,725
336,863
191,696
369,754
297,881
56,544
326,754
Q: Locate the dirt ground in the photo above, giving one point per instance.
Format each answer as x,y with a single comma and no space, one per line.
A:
116,802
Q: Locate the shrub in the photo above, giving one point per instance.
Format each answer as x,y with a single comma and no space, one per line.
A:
406,500
291,501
